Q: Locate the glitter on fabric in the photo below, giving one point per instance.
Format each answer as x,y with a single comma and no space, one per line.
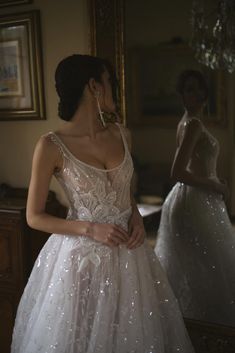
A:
86,297
196,243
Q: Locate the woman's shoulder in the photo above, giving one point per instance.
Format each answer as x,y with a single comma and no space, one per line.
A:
191,124
47,143
47,140
189,129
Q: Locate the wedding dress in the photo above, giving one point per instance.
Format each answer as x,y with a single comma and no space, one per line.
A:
85,297
196,242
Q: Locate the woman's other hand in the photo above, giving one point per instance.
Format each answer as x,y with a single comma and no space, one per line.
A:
108,234
136,231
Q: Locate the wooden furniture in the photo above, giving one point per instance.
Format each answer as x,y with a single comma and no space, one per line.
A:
19,247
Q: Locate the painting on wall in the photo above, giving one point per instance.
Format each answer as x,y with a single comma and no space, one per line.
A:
4,3
10,69
153,77
21,73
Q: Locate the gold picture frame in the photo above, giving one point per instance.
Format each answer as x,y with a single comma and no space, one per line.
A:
4,3
21,70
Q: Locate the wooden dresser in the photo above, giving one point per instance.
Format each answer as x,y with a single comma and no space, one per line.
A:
19,247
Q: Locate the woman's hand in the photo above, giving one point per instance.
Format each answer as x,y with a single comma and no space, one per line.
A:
221,188
108,234
224,190
136,231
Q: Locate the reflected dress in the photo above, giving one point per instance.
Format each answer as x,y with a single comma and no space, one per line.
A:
85,297
196,242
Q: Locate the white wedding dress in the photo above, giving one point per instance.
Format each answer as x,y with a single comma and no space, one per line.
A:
196,242
85,297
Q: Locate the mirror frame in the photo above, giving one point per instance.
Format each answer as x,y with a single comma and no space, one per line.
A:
107,40
107,35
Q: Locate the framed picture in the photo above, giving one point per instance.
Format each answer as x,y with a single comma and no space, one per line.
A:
4,3
153,74
21,72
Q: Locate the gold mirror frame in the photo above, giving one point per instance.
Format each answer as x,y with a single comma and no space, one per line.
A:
107,40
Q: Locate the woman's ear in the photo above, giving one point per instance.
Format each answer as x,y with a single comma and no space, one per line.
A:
93,86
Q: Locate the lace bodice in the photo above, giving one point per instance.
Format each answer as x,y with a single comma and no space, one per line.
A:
94,194
204,157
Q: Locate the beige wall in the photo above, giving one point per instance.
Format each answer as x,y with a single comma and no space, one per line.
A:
65,30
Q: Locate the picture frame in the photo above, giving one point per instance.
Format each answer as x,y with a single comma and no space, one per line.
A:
153,99
21,69
4,3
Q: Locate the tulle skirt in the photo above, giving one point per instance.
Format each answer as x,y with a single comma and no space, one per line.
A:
84,297
196,248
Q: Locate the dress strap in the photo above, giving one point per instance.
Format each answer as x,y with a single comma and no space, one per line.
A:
52,136
121,128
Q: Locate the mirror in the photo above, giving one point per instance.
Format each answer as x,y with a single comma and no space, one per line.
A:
120,33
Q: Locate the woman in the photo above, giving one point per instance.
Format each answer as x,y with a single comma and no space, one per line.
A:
196,242
96,286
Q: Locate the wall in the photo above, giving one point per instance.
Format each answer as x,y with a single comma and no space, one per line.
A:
65,30
147,24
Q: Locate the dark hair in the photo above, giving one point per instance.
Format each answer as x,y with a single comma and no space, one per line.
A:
187,74
71,76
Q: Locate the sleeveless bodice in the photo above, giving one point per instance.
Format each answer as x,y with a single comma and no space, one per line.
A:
205,153
95,194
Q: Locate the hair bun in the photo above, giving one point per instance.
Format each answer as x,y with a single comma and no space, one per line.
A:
71,76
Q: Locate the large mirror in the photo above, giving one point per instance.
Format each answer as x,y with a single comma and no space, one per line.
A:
146,40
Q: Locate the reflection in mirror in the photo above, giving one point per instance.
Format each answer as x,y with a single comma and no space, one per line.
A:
196,241
154,143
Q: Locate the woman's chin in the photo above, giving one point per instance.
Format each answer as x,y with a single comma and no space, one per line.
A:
195,108
110,110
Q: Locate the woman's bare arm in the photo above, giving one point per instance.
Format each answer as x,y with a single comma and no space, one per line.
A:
183,154
45,160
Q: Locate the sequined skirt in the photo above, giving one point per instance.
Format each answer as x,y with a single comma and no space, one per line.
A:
196,247
89,298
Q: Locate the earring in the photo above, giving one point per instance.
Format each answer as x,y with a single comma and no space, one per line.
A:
101,114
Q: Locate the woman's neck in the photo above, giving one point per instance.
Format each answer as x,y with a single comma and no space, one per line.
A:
85,122
194,113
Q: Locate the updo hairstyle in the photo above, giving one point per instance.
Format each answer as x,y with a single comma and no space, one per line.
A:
187,74
71,76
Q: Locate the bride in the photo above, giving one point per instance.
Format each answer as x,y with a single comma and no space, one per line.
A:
96,287
196,242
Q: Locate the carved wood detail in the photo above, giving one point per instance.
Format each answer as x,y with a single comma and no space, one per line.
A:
107,39
4,255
